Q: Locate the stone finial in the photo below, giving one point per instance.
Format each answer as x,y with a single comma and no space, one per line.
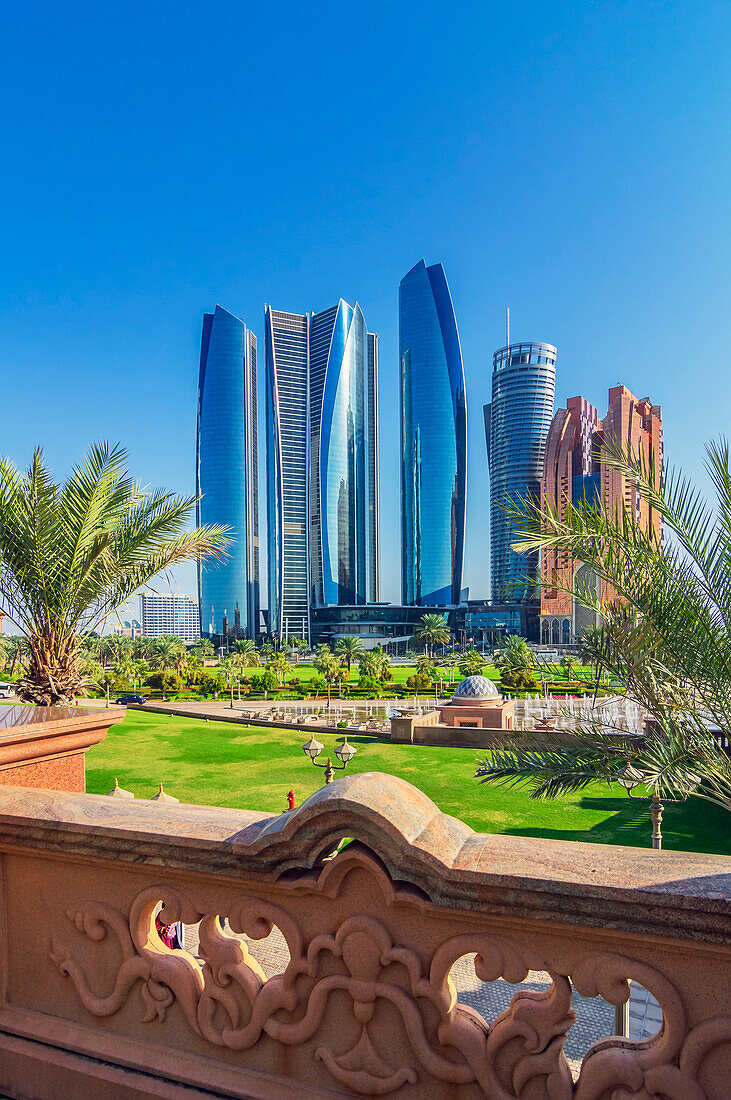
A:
162,796
119,792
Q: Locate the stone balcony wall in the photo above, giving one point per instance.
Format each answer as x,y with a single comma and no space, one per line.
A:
93,1005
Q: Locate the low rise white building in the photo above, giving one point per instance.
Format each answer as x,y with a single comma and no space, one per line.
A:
170,613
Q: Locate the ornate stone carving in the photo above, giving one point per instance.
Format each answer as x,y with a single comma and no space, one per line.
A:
370,956
358,957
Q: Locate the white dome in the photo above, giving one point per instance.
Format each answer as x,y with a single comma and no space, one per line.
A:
476,687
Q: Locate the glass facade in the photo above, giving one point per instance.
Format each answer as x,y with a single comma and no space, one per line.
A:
322,463
376,624
287,370
227,471
373,578
433,440
516,429
486,623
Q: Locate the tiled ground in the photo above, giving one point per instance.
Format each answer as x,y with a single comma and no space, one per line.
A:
595,1017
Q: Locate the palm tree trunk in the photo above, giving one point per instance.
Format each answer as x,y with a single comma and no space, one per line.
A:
53,676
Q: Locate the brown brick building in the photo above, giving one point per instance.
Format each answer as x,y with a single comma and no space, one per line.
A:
574,470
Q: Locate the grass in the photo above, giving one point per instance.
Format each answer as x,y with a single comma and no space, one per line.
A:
218,763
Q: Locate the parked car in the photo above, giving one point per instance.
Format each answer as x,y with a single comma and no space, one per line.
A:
6,690
126,700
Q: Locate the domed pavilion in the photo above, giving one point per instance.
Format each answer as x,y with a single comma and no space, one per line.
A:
477,704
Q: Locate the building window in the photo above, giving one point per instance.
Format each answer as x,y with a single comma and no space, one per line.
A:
545,632
554,632
566,632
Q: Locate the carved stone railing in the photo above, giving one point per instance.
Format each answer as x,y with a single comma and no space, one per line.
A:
93,1004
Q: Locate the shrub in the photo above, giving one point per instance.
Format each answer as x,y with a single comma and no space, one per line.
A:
519,680
166,681
209,684
265,681
420,681
317,685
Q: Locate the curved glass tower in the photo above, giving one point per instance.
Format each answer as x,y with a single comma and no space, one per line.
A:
433,440
227,472
322,463
516,430
343,499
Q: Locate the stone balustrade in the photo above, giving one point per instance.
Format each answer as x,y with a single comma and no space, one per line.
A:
95,1006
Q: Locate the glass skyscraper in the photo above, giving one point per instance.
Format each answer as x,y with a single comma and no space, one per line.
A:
433,440
227,471
516,430
287,343
322,463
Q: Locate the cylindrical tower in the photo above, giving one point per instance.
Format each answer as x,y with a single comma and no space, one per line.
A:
516,429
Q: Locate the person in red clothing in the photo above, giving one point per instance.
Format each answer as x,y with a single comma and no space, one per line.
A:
170,934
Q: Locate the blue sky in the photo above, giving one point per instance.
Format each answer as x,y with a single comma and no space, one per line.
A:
568,160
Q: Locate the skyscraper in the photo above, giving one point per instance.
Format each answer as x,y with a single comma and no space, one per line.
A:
574,470
433,440
287,345
322,462
516,429
227,470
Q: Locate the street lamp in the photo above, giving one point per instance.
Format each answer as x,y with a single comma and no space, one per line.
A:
344,753
630,778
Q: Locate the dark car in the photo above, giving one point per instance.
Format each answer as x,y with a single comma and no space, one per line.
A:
125,700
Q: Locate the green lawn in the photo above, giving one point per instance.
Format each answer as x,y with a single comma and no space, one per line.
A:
218,763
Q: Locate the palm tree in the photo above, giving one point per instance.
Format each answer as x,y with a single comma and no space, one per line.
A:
279,666
332,672
113,647
666,634
350,649
166,652
432,631
568,664
139,669
106,681
123,668
72,553
246,649
18,648
323,657
143,647
514,653
592,643
472,663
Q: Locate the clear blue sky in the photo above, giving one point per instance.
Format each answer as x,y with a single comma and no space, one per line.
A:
570,160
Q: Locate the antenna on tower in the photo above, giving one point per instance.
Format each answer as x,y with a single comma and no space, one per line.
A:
507,326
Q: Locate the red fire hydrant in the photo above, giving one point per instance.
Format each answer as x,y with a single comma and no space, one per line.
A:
290,800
